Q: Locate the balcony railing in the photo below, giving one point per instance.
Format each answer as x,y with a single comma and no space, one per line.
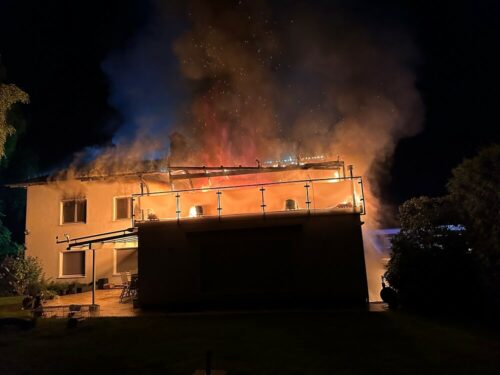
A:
342,195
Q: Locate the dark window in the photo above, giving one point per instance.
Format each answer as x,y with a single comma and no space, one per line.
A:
122,208
73,263
74,211
126,260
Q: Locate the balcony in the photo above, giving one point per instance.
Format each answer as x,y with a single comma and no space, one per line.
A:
343,195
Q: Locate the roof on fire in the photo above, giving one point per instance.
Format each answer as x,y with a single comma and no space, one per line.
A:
156,169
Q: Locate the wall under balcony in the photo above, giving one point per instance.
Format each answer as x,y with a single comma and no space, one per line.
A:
291,259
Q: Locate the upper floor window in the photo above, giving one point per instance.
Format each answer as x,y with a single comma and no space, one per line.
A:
74,211
123,208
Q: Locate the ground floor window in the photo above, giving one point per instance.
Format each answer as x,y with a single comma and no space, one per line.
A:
73,263
125,260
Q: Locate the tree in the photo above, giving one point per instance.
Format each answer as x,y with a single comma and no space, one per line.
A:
475,191
7,246
431,266
434,263
9,95
20,272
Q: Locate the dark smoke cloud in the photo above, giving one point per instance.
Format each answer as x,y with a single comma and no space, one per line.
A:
145,85
266,84
243,80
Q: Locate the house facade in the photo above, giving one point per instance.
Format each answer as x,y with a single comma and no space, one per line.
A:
71,226
75,208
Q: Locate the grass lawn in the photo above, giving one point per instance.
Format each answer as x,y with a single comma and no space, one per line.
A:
9,301
248,344
11,306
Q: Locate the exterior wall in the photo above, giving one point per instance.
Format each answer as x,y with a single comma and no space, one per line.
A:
43,223
291,259
296,256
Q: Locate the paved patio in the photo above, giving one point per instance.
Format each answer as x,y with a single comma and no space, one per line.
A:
107,299
109,302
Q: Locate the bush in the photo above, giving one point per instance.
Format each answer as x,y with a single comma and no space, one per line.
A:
62,288
59,288
440,276
40,288
431,265
48,294
19,273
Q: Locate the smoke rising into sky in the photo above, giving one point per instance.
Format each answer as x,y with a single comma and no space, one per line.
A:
236,81
241,80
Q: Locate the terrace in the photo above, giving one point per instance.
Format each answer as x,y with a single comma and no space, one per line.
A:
336,195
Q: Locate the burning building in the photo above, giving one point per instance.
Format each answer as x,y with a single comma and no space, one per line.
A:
279,233
238,81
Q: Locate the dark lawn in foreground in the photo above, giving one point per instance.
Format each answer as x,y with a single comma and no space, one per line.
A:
10,301
275,343
11,307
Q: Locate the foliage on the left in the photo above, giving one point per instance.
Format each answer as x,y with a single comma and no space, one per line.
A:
9,95
19,274
7,246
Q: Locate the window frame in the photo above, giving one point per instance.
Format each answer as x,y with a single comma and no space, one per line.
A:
61,264
61,211
129,209
115,258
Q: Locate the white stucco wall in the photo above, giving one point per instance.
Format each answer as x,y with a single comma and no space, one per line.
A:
43,223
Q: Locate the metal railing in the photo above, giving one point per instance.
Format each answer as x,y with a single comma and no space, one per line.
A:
341,194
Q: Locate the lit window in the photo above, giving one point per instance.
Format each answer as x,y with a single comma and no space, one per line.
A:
74,211
122,208
73,263
125,260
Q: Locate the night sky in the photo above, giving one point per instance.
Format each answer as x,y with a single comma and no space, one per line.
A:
56,51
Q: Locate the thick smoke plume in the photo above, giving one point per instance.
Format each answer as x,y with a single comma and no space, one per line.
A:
262,81
267,86
299,83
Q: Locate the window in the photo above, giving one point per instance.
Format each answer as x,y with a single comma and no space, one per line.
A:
74,211
73,263
125,260
122,208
